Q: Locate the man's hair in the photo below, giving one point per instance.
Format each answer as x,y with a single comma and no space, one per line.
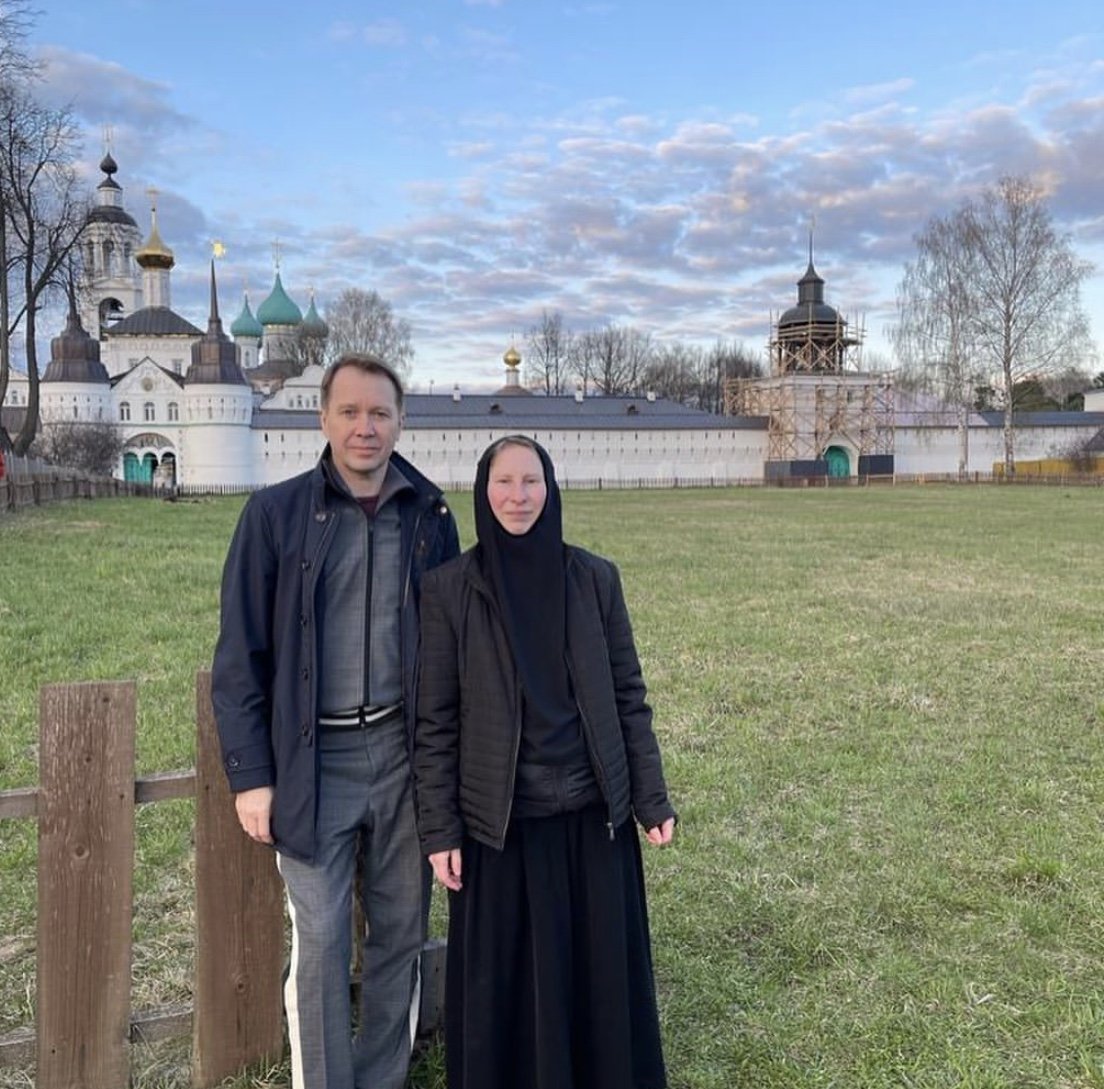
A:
366,364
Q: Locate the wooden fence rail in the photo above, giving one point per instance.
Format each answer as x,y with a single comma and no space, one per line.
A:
85,809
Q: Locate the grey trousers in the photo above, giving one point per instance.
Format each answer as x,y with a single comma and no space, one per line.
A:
365,808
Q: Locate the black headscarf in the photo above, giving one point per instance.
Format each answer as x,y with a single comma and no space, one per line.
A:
526,573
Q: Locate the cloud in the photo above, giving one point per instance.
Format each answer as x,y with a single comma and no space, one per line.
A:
103,93
876,92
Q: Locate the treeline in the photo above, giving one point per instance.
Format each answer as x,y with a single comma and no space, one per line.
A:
619,359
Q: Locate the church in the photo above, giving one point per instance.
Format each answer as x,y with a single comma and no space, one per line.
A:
198,408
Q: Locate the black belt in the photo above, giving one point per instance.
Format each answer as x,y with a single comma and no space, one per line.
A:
360,718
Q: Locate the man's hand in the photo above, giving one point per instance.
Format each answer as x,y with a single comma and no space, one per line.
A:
254,809
446,868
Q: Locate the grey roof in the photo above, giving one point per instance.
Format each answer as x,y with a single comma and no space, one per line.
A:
484,411
154,321
1052,418
110,213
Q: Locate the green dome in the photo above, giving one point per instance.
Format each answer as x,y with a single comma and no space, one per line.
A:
313,323
278,309
245,324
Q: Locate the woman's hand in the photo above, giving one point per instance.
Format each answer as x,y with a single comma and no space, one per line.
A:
662,833
446,868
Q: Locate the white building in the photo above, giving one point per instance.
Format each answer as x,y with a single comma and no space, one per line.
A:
201,410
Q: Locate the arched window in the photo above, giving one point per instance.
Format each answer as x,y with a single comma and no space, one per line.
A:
174,412
124,411
148,412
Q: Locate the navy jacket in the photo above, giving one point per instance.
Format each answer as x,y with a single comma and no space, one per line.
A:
469,704
264,678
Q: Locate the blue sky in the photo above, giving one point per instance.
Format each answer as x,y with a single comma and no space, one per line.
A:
646,163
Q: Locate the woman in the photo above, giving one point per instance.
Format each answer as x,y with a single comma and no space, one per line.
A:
533,751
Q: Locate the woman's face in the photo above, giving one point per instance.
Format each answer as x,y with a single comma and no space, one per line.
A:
516,489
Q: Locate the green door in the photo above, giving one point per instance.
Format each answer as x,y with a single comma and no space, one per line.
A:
839,463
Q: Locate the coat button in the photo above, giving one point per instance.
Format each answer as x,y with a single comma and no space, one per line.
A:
320,516
305,729
233,760
305,565
306,674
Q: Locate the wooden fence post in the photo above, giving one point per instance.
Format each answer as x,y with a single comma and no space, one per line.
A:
85,884
238,1016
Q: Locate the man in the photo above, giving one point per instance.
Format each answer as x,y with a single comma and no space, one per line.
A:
313,693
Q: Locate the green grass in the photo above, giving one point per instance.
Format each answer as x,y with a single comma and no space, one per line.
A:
882,714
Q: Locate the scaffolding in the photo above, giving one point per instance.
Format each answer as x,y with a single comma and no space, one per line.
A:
816,395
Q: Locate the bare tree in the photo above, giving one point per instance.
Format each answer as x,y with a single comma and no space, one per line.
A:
93,447
547,361
41,214
674,372
993,299
725,361
1027,318
612,359
935,331
361,321
1066,387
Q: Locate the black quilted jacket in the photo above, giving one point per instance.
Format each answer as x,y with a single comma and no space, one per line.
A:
468,726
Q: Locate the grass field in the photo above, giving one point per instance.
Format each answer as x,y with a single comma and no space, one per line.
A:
882,712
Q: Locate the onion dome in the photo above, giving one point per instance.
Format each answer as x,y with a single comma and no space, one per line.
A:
245,324
313,325
74,355
214,355
108,194
811,308
153,252
278,309
513,387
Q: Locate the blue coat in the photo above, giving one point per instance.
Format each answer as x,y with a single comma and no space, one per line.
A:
264,677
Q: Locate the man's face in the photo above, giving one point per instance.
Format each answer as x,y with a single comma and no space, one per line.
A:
362,422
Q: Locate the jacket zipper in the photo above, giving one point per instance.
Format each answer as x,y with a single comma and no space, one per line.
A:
370,550
599,769
517,720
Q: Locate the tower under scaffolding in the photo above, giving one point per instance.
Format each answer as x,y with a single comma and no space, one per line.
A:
825,416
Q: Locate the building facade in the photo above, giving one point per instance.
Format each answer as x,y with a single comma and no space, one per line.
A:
206,410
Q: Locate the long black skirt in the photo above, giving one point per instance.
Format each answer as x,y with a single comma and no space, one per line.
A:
549,978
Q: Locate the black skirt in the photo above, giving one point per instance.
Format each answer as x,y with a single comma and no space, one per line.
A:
549,979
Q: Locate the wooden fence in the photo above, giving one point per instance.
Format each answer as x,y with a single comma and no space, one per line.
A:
85,808
40,488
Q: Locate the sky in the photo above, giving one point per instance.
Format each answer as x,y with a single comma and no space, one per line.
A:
645,163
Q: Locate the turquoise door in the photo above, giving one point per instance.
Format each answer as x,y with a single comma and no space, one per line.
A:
839,463
132,470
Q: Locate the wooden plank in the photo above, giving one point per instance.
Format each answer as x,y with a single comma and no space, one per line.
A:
146,1027
17,1048
239,926
160,1023
164,786
85,884
431,1009
21,802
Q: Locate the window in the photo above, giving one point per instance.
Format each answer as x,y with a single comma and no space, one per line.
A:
174,412
124,411
148,412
